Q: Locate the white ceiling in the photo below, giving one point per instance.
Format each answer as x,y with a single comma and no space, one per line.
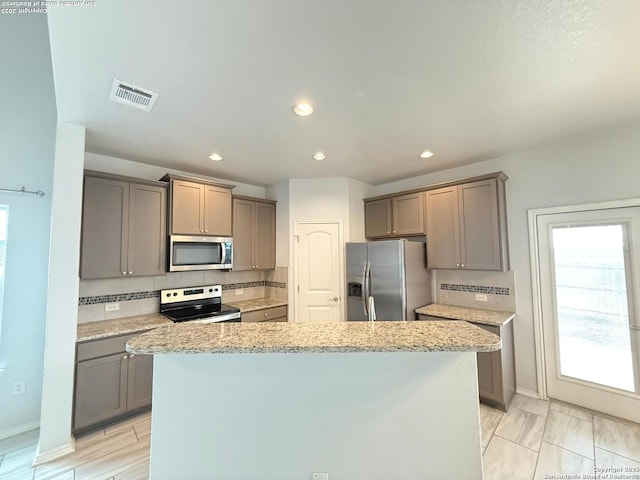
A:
469,80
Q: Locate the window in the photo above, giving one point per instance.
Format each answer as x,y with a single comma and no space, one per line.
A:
4,221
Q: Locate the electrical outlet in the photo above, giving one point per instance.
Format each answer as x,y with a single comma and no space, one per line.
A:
481,297
319,476
18,387
111,307
239,291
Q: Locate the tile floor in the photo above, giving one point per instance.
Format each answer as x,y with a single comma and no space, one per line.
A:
535,438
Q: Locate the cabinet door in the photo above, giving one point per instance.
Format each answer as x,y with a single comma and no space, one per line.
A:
408,214
265,235
187,204
377,218
242,234
147,230
139,381
101,390
490,384
443,234
104,228
217,211
479,228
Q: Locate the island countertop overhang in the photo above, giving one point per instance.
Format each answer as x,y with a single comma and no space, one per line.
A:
336,337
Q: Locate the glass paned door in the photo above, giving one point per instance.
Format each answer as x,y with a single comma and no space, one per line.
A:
589,265
594,336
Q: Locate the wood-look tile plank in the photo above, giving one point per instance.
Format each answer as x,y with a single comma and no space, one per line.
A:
143,428
507,460
607,459
617,437
555,462
489,420
129,422
112,464
69,475
571,410
20,473
570,433
522,427
89,452
139,472
18,442
528,404
18,459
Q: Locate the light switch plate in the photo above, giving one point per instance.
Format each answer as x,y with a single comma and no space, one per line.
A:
239,291
481,297
319,476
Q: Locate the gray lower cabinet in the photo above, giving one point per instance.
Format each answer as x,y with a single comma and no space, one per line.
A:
496,370
273,314
109,383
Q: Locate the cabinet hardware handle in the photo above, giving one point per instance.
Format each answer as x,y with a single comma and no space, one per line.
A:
458,265
132,355
124,357
462,265
124,273
130,272
394,232
206,231
265,314
388,232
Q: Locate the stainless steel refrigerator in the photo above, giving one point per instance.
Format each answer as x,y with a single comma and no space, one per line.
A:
386,280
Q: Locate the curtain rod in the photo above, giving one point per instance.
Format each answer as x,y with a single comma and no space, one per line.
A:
38,193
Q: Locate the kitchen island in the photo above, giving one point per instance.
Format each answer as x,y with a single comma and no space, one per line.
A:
358,400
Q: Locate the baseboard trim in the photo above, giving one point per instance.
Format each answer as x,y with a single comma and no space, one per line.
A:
13,431
528,393
55,453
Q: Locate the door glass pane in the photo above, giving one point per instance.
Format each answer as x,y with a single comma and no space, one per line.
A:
592,309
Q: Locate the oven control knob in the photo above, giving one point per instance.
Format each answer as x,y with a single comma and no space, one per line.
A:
168,294
210,290
175,294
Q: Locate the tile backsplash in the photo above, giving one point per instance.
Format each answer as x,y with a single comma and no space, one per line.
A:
459,287
140,295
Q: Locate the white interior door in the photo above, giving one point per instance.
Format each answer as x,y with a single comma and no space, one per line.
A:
319,272
589,279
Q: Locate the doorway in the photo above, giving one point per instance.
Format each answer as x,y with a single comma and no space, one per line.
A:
319,271
588,266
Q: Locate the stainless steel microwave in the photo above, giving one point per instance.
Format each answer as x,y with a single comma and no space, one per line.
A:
191,252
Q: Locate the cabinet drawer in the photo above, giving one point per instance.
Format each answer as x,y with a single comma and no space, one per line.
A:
265,315
103,347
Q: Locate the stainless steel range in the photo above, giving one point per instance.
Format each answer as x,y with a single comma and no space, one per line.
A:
197,304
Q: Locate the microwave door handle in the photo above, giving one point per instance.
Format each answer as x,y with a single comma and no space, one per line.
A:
223,257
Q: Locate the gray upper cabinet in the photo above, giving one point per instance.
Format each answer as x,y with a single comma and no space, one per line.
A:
199,208
397,216
123,227
466,226
254,234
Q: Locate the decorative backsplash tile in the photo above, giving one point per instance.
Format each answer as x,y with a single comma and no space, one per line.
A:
474,289
124,297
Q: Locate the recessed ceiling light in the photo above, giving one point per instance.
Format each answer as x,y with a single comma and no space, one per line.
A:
215,157
426,154
303,109
319,156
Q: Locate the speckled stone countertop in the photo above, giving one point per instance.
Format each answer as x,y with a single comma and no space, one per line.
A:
336,337
473,315
119,326
257,304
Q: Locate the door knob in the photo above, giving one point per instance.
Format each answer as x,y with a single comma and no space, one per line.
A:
335,299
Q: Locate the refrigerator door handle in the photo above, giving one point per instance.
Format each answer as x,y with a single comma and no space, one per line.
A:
364,290
372,309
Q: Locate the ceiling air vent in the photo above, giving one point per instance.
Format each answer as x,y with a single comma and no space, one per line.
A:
131,95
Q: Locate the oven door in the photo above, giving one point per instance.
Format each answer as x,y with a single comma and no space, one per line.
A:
199,253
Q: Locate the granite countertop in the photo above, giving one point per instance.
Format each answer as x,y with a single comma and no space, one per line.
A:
119,326
473,315
335,337
257,304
